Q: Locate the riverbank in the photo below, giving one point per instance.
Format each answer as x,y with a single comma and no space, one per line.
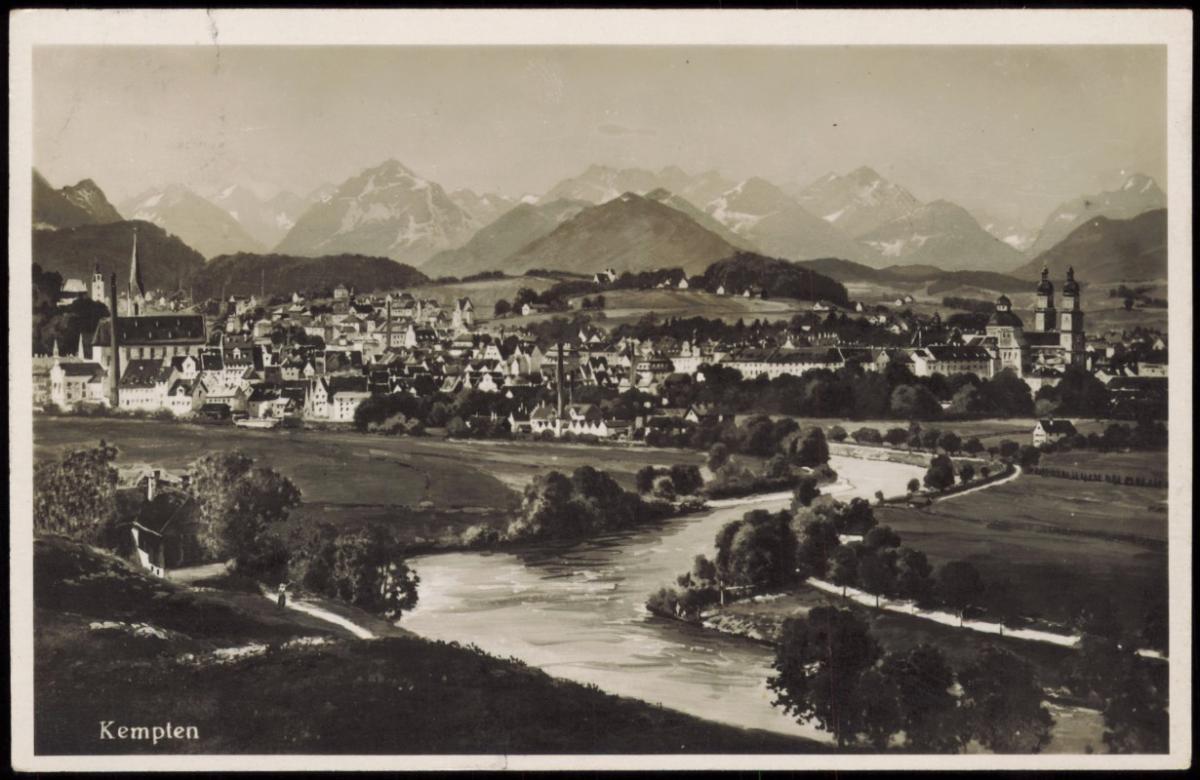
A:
112,644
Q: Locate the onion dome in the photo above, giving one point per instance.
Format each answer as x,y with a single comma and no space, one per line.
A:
1045,287
1003,302
1072,286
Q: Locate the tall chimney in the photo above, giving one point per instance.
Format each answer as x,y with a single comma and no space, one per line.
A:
114,369
387,331
558,380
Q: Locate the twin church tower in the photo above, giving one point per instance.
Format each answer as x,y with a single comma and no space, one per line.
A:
1057,338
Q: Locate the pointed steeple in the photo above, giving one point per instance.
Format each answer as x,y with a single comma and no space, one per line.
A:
80,351
55,352
137,291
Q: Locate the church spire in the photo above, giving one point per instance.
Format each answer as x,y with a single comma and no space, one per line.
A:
137,291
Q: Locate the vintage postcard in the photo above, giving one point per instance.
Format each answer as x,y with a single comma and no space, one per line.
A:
600,389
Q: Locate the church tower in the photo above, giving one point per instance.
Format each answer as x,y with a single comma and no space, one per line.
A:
1045,318
1071,327
137,291
97,289
1007,331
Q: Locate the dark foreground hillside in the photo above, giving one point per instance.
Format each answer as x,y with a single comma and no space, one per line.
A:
250,679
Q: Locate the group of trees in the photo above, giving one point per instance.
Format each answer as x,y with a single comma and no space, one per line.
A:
555,506
63,324
668,483
831,670
233,510
364,567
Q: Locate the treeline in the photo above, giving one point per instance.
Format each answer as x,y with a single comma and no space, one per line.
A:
774,278
1128,480
975,305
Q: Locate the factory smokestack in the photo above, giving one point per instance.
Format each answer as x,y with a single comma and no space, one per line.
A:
114,371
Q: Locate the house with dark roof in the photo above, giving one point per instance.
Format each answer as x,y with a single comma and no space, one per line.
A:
144,385
157,336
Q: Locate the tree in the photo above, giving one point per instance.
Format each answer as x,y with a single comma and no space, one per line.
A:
1029,456
914,402
843,566
759,551
966,473
644,479
877,571
928,710
837,433
369,572
817,539
959,586
806,491
812,449
1131,698
881,537
950,442
456,428
664,488
878,701
913,485
930,439
1008,449
686,478
502,308
1094,614
76,495
973,446
896,436
820,662
940,474
238,509
867,436
718,456
1127,303
913,574
856,517
1002,703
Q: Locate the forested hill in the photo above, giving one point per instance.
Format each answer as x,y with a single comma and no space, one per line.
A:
165,261
776,278
248,274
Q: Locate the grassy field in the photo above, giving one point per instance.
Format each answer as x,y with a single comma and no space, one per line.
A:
1056,541
426,488
483,293
1147,464
114,644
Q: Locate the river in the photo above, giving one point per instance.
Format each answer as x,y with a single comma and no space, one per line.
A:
578,612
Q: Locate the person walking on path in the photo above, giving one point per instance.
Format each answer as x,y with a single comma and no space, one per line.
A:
282,595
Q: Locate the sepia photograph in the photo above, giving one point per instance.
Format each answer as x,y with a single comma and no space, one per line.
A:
594,390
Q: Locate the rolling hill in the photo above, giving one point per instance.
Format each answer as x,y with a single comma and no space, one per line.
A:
166,262
937,280
490,248
777,278
247,274
1108,250
628,233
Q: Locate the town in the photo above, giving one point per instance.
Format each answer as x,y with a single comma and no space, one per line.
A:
260,361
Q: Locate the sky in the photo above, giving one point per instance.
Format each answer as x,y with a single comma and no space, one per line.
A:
1011,131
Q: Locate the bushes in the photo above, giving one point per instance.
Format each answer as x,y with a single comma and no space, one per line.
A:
1129,480
867,436
558,507
363,567
758,551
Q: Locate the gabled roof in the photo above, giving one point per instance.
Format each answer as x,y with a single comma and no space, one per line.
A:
143,373
153,330
76,369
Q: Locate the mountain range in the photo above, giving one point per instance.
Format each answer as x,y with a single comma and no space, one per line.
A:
80,204
941,234
855,227
1137,195
385,211
858,202
627,233
202,224
1108,250
778,225
490,248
